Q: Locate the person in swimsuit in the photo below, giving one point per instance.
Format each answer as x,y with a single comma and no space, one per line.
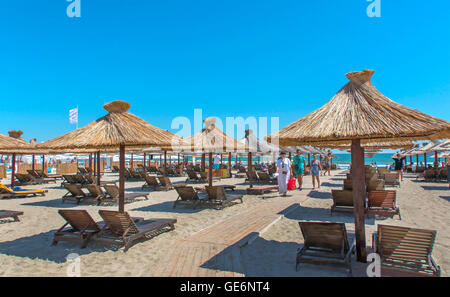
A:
315,171
328,163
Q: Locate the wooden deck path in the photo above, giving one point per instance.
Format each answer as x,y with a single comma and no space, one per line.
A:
215,250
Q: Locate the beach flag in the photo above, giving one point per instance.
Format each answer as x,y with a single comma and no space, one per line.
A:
73,116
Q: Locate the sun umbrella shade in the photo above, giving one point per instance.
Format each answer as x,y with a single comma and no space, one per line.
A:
118,127
9,144
257,145
211,139
360,111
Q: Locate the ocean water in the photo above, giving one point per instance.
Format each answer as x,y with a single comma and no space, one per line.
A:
382,159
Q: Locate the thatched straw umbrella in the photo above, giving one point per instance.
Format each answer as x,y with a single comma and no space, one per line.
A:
211,140
13,145
360,112
114,131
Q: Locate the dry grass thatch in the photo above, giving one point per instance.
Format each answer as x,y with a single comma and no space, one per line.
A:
399,144
442,147
211,139
107,133
9,143
360,111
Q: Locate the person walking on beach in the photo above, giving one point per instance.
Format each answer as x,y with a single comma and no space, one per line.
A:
328,163
216,162
284,171
315,172
399,164
299,168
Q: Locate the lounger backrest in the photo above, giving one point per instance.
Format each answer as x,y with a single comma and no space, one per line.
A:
376,184
216,193
74,189
384,199
192,174
203,175
342,197
263,175
33,172
429,173
95,190
391,177
5,190
186,193
79,179
325,235
112,190
119,222
165,181
348,184
242,169
90,179
151,180
401,243
79,219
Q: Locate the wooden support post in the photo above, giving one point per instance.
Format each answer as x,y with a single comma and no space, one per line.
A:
425,159
90,164
359,195
417,160
13,170
32,164
203,162
43,164
229,164
210,170
145,170
165,163
436,160
98,168
122,179
250,169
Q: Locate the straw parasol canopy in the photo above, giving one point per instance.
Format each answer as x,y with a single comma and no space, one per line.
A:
442,147
114,131
107,133
397,144
212,140
9,144
257,145
360,111
356,114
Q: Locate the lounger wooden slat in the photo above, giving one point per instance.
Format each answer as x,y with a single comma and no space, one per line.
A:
342,201
405,250
219,198
124,231
325,243
382,203
113,193
187,195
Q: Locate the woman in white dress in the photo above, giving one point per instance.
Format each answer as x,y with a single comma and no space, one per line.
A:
284,170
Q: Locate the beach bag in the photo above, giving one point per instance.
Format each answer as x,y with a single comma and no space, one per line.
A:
291,184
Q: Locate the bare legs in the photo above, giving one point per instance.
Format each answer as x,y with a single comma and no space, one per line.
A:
300,181
314,178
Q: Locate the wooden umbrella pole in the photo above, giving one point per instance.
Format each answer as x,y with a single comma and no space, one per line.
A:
229,163
250,169
131,161
98,168
95,164
43,164
121,179
90,164
144,164
165,163
13,169
32,163
203,162
417,160
210,170
425,159
358,198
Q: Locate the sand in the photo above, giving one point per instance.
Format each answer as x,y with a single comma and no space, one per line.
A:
25,247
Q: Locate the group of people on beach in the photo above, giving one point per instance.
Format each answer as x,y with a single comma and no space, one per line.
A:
286,168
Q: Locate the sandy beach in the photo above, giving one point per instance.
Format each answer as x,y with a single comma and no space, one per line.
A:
25,246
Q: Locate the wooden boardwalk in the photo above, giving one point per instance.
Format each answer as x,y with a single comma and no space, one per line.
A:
215,251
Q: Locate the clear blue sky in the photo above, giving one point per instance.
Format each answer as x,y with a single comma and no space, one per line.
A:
230,58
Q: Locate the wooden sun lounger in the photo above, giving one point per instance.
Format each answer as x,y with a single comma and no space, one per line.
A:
193,177
43,176
115,169
264,178
6,192
121,229
11,214
218,197
82,227
165,182
325,243
260,190
226,187
383,203
375,185
187,195
151,182
113,193
96,191
405,251
342,201
392,179
74,192
25,179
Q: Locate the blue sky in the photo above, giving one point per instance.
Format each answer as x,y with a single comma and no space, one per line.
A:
260,58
